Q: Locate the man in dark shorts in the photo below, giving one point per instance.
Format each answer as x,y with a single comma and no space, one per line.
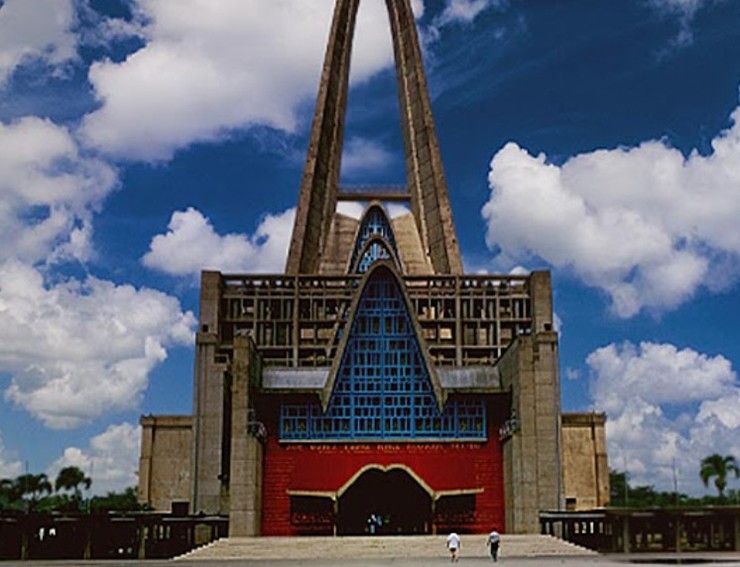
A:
494,539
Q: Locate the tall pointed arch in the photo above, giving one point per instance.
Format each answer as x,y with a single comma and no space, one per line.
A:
374,250
382,385
425,179
375,224
383,271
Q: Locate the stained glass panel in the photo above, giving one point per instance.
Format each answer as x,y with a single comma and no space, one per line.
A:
382,389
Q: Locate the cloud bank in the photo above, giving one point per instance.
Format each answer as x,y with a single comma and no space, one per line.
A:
646,225
9,468
111,459
191,244
78,350
38,31
49,191
666,407
74,350
208,68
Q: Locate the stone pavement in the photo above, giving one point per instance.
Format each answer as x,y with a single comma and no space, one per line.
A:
720,560
383,547
397,551
422,551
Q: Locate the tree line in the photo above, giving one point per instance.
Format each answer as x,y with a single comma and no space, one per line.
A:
716,468
36,493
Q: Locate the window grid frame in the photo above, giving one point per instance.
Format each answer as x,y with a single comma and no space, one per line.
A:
383,390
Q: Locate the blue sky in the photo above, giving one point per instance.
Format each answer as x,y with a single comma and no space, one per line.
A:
143,140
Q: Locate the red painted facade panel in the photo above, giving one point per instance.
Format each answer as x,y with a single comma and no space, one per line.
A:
328,467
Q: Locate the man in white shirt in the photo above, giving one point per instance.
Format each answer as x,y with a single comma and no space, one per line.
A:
494,539
453,544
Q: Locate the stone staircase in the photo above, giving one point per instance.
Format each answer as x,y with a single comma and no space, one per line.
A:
364,547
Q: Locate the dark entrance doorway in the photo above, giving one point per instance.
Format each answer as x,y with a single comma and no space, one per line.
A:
394,496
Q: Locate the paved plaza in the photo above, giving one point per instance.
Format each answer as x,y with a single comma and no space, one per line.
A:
398,551
465,561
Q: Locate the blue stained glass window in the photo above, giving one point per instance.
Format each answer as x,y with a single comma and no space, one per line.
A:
374,224
382,389
376,251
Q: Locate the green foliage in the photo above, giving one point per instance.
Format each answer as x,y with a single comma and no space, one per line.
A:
125,501
624,495
10,496
34,492
71,479
618,488
30,488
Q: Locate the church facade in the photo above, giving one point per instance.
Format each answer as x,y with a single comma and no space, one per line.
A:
374,387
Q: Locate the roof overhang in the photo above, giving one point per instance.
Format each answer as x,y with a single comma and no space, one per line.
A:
460,380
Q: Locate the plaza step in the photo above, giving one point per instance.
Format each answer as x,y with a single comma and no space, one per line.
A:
345,547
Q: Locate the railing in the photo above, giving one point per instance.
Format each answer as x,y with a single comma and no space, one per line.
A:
132,535
632,530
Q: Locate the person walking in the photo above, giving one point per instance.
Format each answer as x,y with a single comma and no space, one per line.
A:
453,544
493,542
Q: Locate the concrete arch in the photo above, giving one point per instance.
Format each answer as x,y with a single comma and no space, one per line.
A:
386,468
391,246
382,265
424,173
377,239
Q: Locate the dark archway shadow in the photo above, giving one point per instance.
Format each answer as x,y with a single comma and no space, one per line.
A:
393,495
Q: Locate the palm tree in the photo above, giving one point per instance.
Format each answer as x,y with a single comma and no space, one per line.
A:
33,486
71,478
718,466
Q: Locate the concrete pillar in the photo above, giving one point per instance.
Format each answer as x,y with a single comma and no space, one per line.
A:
425,180
245,478
603,492
25,547
145,459
677,525
540,290
626,536
87,552
532,455
208,402
142,533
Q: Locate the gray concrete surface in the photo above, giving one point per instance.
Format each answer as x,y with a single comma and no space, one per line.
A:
720,559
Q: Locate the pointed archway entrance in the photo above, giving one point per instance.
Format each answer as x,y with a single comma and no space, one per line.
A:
402,503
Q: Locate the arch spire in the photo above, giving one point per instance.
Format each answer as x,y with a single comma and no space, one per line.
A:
425,178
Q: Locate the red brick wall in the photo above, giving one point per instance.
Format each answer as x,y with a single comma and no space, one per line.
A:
329,466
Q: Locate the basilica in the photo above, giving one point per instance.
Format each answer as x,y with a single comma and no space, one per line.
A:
374,387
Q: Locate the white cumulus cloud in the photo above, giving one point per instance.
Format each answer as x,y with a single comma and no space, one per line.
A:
77,350
666,408
658,374
191,244
465,11
362,156
646,224
9,467
111,460
49,192
40,30
208,68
